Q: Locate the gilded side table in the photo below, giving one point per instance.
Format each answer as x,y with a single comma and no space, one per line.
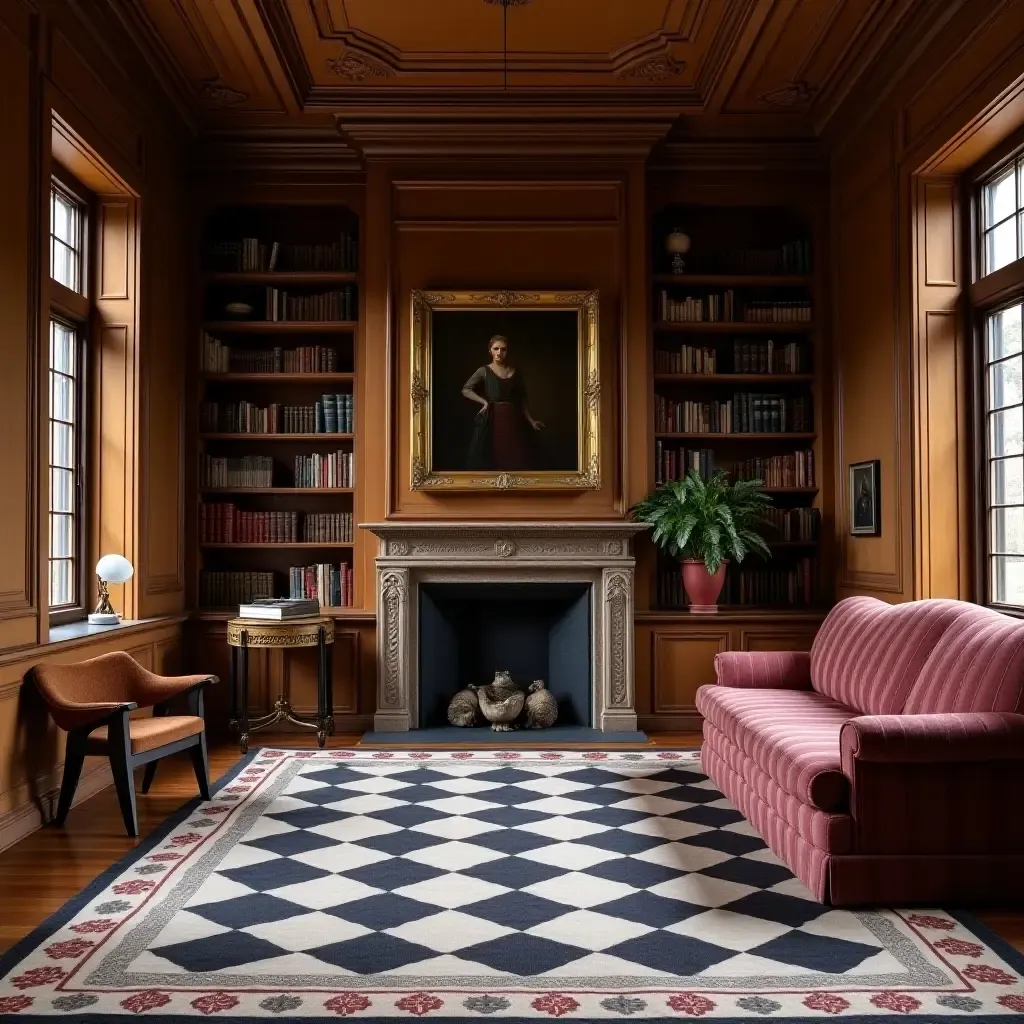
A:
246,634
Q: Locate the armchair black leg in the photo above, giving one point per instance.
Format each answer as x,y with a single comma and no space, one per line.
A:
201,767
147,778
74,755
121,765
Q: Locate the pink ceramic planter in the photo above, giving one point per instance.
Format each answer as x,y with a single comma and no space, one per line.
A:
702,588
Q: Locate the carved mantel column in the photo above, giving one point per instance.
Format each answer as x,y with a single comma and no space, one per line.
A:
394,713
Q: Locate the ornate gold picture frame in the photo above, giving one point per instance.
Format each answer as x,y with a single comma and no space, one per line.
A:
505,391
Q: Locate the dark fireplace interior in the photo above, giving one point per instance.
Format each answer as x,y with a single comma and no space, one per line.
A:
534,630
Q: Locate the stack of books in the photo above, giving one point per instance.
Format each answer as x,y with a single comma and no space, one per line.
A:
278,609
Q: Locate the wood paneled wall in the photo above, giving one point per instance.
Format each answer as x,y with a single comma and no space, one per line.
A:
944,94
55,70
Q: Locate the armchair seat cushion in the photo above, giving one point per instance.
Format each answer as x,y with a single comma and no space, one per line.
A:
149,733
791,735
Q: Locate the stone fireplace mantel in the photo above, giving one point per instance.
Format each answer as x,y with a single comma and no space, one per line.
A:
414,553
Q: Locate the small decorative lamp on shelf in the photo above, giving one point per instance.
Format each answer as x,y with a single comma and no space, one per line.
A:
677,244
109,569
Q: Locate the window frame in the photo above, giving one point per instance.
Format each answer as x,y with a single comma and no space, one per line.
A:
988,294
73,309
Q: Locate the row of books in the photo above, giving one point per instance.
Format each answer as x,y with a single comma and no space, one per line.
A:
796,470
330,584
332,414
767,357
247,471
777,312
794,523
715,307
337,304
791,258
223,589
250,255
686,359
221,522
744,413
335,469
792,585
221,358
673,462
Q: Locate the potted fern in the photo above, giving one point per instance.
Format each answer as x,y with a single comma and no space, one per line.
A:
705,523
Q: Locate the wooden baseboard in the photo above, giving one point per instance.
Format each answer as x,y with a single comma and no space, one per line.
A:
670,723
24,820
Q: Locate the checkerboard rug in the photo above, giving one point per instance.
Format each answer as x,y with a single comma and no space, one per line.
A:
504,884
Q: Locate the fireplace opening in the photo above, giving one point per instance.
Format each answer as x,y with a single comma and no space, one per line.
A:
468,631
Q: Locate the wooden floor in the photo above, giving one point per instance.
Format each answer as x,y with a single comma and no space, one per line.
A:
39,874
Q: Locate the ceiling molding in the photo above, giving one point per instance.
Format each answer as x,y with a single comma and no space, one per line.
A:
357,67
276,155
287,47
740,154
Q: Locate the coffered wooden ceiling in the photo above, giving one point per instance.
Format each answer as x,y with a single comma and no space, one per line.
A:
254,64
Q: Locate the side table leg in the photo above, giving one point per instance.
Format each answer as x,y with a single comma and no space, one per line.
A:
243,672
321,688
330,694
233,687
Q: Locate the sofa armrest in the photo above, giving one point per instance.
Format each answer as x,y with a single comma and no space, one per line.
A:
935,784
764,670
976,736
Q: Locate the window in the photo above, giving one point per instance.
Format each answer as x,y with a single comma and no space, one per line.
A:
69,318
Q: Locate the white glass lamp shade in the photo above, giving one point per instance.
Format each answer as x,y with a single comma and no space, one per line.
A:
677,243
114,569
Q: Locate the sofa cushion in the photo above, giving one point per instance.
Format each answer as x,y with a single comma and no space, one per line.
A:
791,735
976,665
830,832
868,654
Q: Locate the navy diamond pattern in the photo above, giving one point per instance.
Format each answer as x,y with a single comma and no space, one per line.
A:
523,869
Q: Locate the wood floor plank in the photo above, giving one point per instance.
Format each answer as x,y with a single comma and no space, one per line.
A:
42,872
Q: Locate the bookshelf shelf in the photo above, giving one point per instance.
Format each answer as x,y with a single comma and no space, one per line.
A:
733,327
277,490
809,491
328,438
736,280
734,437
282,378
314,248
733,378
284,277
280,326
281,545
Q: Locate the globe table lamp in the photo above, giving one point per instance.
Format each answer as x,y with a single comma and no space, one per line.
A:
677,245
109,569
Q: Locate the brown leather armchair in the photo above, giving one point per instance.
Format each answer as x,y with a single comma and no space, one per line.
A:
92,701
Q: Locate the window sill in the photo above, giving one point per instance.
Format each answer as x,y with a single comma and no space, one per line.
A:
84,628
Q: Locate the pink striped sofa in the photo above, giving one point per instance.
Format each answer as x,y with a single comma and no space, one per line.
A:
886,766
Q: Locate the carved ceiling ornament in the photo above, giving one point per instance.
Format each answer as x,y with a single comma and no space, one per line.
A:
356,66
652,70
217,94
793,94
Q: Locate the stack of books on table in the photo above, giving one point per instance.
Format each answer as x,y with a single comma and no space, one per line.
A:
279,609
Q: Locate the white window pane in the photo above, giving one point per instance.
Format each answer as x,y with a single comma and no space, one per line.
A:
62,589
64,264
1008,481
1008,530
1000,199
1004,333
1004,383
1008,580
1001,245
63,218
62,397
62,490
62,536
62,445
1006,432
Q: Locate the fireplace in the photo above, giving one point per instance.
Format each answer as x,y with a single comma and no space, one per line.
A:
468,631
567,594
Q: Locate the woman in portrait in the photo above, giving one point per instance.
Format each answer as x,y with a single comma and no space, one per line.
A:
504,433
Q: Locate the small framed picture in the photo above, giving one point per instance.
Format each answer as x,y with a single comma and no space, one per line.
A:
865,499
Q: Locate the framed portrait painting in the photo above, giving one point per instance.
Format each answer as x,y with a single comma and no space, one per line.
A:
865,499
505,390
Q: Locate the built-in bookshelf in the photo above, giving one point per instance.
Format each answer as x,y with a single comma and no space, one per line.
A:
276,416
735,359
